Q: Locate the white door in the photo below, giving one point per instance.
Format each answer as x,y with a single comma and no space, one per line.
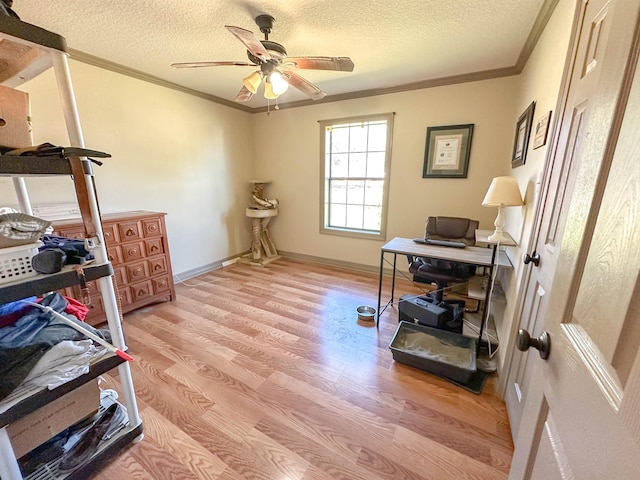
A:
589,55
581,418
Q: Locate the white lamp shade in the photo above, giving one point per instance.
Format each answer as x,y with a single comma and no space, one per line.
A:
503,192
278,83
252,82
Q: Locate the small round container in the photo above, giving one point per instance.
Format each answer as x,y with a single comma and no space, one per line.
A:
366,314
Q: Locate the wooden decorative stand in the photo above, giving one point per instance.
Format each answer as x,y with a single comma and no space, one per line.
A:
263,250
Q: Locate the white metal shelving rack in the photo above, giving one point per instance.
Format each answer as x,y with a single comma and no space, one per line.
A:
25,52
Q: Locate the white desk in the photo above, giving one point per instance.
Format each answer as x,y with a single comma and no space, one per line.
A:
482,257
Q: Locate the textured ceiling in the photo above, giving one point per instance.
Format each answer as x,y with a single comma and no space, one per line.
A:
392,43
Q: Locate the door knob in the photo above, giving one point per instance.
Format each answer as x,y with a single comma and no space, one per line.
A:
542,343
534,258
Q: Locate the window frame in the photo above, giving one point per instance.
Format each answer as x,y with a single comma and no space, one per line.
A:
346,231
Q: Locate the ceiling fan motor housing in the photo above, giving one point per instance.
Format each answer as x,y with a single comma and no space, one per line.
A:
276,51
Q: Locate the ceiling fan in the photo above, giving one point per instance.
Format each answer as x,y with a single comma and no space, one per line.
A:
274,64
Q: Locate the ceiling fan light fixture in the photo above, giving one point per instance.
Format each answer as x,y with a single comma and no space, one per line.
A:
268,90
252,82
268,56
278,84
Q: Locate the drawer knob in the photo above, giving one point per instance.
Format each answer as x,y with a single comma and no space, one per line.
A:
154,248
131,232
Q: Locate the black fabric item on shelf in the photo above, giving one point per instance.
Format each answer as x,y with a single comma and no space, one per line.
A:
15,365
50,150
74,249
50,450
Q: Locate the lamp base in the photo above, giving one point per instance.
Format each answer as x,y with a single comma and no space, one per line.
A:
497,237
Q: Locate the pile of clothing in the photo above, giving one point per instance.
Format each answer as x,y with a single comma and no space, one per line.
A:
38,350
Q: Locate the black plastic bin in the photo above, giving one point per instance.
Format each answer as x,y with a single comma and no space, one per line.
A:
442,353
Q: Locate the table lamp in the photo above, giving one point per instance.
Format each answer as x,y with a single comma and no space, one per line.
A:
503,192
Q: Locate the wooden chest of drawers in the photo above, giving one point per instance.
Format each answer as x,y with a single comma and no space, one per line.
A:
139,252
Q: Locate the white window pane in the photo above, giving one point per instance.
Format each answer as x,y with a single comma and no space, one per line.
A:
339,140
338,191
339,165
355,163
327,209
355,193
358,165
375,164
354,216
372,218
373,192
378,137
338,215
358,138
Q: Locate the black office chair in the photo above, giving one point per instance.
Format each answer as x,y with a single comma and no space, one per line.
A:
444,272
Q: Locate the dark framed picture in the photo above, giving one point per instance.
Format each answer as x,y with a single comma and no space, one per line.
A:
540,133
446,153
523,132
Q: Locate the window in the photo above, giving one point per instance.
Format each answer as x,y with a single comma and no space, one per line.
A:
355,159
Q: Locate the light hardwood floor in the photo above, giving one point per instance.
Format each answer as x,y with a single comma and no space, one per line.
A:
265,373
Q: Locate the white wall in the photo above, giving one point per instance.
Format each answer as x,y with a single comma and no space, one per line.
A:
171,152
540,82
287,151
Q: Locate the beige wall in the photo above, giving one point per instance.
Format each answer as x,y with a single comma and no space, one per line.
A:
171,152
287,151
540,82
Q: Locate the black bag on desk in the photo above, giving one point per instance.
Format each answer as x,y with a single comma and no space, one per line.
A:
425,311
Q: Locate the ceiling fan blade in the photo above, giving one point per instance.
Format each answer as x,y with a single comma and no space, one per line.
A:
243,95
303,85
211,64
251,42
342,64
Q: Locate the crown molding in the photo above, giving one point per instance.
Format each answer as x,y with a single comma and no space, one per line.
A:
132,72
536,32
436,82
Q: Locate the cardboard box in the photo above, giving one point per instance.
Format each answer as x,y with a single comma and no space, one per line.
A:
15,128
46,422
